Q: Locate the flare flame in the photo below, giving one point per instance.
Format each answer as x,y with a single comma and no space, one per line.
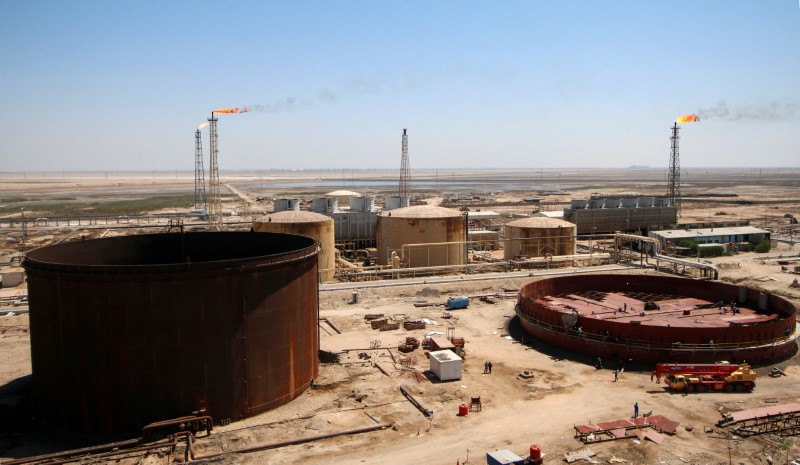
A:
202,125
232,110
688,119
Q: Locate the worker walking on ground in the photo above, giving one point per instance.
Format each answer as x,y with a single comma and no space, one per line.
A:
636,410
490,367
485,367
616,375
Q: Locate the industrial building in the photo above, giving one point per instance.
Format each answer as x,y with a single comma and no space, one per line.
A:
130,330
658,319
735,235
626,212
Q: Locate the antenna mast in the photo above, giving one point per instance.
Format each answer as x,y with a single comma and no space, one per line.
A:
405,183
199,174
674,188
215,201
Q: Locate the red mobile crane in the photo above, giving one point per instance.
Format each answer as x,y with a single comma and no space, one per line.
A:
701,377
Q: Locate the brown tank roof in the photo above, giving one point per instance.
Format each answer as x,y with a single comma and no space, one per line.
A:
422,211
291,216
540,222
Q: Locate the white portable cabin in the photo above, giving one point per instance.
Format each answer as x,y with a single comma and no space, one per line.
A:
446,365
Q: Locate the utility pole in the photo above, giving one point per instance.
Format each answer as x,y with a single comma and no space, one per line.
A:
24,226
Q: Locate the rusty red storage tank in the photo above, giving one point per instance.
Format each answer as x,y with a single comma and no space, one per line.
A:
130,330
658,318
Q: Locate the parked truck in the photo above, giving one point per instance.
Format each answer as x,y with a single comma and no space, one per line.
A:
701,377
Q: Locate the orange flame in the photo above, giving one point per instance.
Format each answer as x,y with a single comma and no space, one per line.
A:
202,125
232,110
688,119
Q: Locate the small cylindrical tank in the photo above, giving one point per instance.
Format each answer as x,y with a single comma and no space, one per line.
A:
325,205
282,205
395,201
538,237
314,225
443,229
362,204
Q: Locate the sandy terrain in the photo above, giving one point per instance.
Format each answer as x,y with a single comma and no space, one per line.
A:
566,390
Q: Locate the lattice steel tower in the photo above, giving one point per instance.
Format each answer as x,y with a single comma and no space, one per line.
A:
199,174
405,182
214,201
674,188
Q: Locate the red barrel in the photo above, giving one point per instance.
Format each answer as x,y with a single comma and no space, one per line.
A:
536,452
463,410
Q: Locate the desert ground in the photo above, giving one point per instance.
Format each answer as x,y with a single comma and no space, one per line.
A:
355,393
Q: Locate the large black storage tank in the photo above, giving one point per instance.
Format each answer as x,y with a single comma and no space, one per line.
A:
130,330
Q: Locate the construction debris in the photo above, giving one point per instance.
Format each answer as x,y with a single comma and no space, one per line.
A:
413,324
626,429
776,372
583,454
783,420
409,345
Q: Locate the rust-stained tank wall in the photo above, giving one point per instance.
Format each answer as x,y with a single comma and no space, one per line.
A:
130,330
314,225
421,224
538,237
759,343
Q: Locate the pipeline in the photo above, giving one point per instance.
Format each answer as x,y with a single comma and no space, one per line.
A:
330,323
120,447
415,402
199,422
293,442
79,455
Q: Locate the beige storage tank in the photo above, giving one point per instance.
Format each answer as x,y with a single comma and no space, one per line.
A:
343,196
539,236
314,225
421,224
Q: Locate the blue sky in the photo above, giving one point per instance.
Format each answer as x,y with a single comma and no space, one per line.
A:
122,85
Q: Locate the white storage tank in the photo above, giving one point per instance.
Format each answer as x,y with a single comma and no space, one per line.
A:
282,205
395,201
325,205
613,202
342,196
314,225
362,204
446,365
